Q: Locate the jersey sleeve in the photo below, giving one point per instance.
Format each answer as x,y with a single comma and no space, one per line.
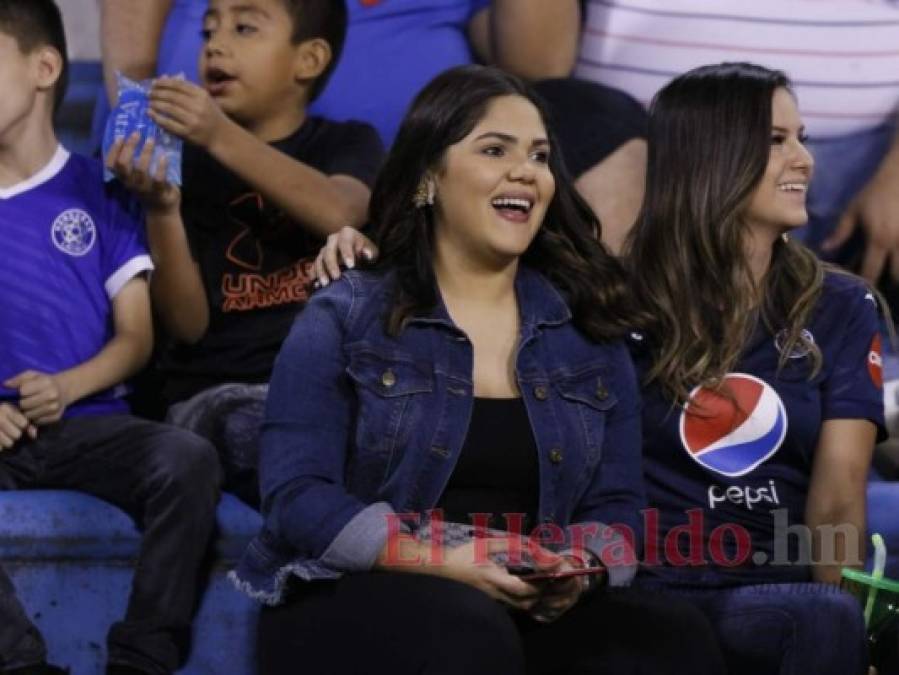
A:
125,253
357,152
477,6
854,386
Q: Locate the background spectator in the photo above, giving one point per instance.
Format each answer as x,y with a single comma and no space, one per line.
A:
842,57
395,46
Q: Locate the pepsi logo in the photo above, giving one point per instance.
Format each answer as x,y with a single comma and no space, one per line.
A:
733,429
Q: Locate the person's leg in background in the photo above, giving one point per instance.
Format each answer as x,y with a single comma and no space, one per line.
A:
230,417
843,166
784,629
602,132
168,480
21,644
178,54
614,189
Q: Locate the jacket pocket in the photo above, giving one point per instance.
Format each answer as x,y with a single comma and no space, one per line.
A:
588,399
392,391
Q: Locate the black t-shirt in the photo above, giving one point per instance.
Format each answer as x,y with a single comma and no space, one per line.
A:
255,263
497,471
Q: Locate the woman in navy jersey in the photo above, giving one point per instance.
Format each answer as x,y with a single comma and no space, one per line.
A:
761,379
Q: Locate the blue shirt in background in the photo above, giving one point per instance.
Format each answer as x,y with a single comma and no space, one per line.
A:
393,49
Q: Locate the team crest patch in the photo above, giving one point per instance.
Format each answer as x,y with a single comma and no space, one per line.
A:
73,232
731,434
800,349
875,362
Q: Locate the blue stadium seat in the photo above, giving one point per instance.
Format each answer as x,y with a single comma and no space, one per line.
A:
71,557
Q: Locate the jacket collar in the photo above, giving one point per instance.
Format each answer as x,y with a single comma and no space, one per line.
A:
539,303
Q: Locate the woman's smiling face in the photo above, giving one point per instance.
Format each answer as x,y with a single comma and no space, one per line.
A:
779,199
493,187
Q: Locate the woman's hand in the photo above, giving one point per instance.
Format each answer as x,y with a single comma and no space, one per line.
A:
558,596
341,249
461,564
469,564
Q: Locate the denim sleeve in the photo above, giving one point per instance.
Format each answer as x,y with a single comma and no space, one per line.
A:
305,444
607,519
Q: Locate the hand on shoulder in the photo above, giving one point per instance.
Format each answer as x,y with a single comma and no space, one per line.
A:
343,248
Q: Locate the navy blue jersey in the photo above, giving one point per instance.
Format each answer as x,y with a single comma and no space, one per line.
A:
726,471
71,243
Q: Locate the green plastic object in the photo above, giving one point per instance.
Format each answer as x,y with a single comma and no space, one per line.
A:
880,558
884,609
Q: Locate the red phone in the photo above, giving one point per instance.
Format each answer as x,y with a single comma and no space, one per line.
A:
552,576
527,573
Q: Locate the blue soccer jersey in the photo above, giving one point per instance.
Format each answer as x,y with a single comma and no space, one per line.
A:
727,475
71,245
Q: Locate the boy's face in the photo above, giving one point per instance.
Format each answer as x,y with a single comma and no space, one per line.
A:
248,63
19,86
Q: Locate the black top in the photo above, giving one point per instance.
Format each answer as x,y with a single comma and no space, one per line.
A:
254,262
497,471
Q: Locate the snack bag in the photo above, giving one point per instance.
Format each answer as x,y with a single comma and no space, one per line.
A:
131,114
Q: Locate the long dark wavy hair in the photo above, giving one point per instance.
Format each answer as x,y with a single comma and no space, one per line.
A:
566,249
696,299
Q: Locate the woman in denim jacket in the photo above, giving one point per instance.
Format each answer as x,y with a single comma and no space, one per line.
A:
476,370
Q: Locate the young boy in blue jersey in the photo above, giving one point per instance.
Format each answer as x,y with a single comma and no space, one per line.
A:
75,323
264,184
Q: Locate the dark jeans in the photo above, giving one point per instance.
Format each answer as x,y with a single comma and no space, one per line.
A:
168,480
783,629
405,624
230,416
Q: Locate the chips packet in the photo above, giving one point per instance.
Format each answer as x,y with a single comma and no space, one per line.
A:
131,114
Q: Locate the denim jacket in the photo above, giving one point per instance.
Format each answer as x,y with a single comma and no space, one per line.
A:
361,425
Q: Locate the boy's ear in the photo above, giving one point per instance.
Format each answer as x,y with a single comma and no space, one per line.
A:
47,63
313,56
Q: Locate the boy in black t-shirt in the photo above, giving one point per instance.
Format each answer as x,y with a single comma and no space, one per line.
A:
264,184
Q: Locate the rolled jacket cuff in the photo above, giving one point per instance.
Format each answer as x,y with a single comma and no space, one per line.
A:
357,546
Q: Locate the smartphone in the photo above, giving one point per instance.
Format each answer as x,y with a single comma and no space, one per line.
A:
521,570
530,573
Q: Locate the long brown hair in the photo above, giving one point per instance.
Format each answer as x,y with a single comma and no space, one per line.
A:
709,140
565,250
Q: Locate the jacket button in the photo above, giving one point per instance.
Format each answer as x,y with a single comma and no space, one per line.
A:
388,379
439,450
540,393
601,392
555,456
